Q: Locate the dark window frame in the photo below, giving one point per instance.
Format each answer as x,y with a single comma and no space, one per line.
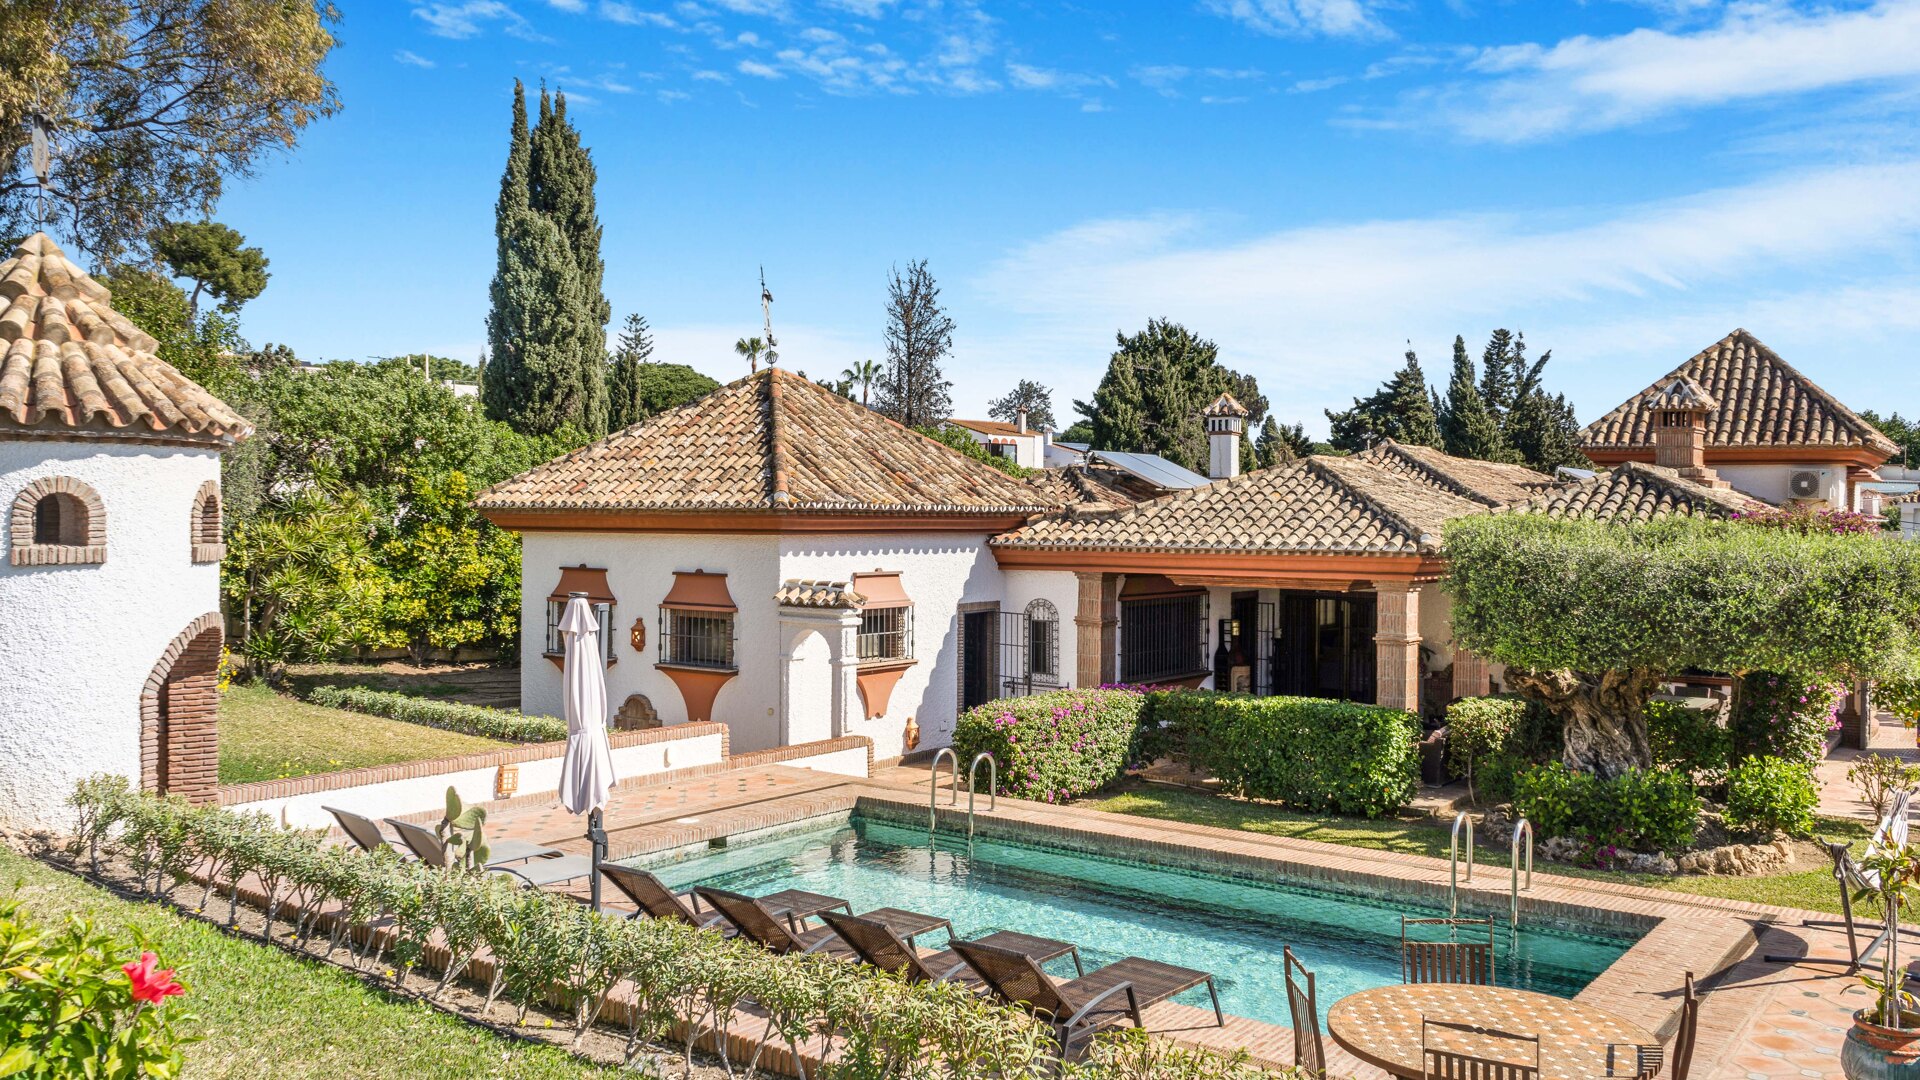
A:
690,638
1163,637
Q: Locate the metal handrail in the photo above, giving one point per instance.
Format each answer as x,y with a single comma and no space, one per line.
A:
933,787
1523,827
993,785
1453,860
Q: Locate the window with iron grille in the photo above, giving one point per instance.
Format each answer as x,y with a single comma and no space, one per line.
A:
886,634
696,638
1043,640
1162,637
556,641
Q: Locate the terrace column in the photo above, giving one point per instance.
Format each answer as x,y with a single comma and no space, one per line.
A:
1095,624
1396,646
1471,676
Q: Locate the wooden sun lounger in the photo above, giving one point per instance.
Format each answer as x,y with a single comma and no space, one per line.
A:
761,924
878,944
1079,1007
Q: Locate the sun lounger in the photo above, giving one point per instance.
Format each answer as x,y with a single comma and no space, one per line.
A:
1079,1007
365,832
538,872
878,944
653,897
759,923
433,851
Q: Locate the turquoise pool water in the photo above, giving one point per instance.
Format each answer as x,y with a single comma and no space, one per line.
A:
1114,907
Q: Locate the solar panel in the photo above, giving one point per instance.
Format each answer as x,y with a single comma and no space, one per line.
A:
1154,469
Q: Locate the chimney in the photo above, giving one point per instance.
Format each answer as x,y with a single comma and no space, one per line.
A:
1020,419
1226,419
1680,411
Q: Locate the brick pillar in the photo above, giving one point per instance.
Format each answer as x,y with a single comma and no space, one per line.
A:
190,706
1471,676
1095,623
1396,645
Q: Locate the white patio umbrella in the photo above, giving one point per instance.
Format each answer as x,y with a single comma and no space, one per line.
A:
586,773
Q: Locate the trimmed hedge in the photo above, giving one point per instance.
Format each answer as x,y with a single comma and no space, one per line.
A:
1639,810
1055,746
448,715
1311,754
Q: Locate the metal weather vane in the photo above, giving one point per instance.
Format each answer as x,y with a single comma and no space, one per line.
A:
766,318
42,159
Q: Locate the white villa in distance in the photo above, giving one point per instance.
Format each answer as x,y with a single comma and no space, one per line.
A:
110,629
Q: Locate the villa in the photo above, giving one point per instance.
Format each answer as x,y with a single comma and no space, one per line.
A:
794,564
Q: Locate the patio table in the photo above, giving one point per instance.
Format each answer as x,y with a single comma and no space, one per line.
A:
1382,1027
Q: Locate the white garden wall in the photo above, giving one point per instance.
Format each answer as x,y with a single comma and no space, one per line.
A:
78,642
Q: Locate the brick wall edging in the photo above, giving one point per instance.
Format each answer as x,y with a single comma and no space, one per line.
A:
260,790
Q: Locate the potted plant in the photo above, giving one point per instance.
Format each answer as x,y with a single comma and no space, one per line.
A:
1884,1043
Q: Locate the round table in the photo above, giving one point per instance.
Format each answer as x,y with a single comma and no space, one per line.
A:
1382,1027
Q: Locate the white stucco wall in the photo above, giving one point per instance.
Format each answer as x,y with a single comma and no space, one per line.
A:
640,569
939,571
1062,590
1769,482
78,642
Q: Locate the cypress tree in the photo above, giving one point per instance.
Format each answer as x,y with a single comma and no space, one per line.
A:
561,180
634,350
1401,410
1496,373
1156,384
1467,427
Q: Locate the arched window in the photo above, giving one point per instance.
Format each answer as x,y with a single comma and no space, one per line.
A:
208,543
1043,641
57,521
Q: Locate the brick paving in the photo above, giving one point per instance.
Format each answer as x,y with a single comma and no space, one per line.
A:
1758,1020
1837,796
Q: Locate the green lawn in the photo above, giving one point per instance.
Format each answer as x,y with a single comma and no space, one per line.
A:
264,1012
269,736
1812,889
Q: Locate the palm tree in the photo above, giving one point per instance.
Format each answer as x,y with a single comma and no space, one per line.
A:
752,348
863,374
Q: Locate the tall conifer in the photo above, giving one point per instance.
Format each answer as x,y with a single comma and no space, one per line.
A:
635,349
1401,410
1467,427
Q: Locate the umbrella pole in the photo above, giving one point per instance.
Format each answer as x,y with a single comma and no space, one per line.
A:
598,836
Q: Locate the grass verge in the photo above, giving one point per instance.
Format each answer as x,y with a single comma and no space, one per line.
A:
1810,889
270,736
263,1012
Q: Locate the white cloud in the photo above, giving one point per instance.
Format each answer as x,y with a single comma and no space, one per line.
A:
1314,86
464,20
1286,18
758,70
669,97
866,9
1329,306
572,6
1754,51
711,76
626,14
412,59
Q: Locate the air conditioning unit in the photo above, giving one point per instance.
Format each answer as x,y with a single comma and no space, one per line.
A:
1806,483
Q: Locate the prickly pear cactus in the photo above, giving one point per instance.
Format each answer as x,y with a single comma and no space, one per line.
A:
463,832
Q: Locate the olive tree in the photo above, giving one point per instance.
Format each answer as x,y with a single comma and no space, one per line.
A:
1589,616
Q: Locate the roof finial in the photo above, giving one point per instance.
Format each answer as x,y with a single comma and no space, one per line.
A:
42,160
766,318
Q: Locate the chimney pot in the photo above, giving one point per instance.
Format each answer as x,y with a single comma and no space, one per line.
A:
1020,420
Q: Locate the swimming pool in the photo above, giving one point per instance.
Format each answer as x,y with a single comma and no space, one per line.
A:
1114,907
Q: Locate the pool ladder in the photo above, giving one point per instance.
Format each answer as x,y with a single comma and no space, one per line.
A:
1460,820
973,787
1521,828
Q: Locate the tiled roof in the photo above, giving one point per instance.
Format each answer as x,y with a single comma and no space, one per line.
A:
1637,492
70,365
1330,505
1225,405
1683,395
992,427
1091,488
795,592
1490,483
1909,497
771,441
1759,401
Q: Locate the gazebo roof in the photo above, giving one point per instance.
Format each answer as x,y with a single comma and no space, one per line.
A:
73,367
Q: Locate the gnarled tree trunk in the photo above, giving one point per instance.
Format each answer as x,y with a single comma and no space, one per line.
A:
1603,714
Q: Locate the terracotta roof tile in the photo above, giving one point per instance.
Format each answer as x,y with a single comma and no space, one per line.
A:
1637,492
1758,401
71,365
771,441
992,427
1091,488
1331,505
796,592
1490,483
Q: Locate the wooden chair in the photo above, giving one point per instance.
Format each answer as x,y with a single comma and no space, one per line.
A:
1079,1007
1303,1006
652,896
1450,961
1440,1063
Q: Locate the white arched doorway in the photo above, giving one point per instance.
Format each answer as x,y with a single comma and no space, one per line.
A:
808,689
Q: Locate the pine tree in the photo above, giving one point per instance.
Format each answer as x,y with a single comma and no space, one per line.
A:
1281,445
1496,373
1156,385
919,338
1467,427
1401,410
1031,396
634,350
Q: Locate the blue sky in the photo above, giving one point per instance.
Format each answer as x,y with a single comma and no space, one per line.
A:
1311,183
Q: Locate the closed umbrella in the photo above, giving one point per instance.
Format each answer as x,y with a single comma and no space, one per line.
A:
586,773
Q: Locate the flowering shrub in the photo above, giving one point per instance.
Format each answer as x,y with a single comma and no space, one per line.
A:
1765,794
1802,518
1309,753
448,715
68,1008
1057,746
1639,810
1687,739
1780,716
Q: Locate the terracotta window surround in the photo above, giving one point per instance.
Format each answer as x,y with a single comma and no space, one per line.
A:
882,591
704,597
204,525
82,524
583,579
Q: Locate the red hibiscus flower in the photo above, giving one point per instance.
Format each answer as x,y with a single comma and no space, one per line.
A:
149,985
